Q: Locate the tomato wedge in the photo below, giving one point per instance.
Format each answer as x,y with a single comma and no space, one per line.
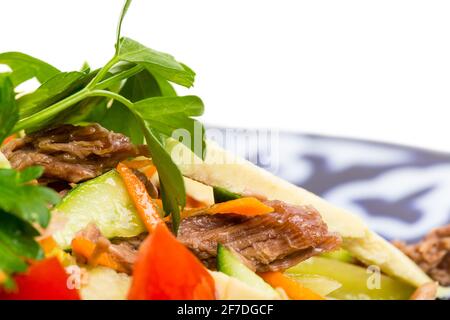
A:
44,280
166,270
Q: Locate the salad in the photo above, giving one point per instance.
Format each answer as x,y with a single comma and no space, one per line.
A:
110,190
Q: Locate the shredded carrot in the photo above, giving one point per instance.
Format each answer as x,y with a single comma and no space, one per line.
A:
158,203
192,203
88,250
149,171
48,244
9,139
161,252
243,206
186,213
146,166
138,163
247,206
147,209
3,277
293,289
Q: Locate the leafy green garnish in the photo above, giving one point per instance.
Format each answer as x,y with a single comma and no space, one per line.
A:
172,185
20,198
19,236
119,118
131,94
9,112
119,25
49,92
168,114
21,205
25,67
156,62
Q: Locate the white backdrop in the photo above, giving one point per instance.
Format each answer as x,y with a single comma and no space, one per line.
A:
366,69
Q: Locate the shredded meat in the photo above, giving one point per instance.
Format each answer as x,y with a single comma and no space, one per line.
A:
432,254
71,153
425,292
151,188
271,242
123,251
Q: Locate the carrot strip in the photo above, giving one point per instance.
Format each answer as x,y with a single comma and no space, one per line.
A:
247,206
146,208
137,164
158,203
150,171
87,249
293,289
3,277
48,244
9,139
192,203
165,268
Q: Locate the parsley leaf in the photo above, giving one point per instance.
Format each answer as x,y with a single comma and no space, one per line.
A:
19,236
25,67
119,118
172,187
170,114
132,94
24,200
160,63
20,205
9,113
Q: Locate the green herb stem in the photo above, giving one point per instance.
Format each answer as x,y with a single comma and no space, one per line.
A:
102,73
112,95
51,111
119,77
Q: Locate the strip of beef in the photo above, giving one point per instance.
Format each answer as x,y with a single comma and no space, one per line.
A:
426,291
271,242
71,153
123,251
432,254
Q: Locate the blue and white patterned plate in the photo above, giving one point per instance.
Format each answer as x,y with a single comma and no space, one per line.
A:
401,192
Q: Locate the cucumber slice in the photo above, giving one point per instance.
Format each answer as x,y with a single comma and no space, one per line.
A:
230,288
103,201
229,264
320,285
354,279
341,255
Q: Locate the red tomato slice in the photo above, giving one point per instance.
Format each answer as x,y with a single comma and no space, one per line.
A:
167,270
44,280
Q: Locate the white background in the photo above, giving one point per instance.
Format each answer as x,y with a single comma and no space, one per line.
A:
366,69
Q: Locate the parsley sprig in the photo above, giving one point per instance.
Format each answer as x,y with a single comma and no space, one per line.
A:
131,94
23,204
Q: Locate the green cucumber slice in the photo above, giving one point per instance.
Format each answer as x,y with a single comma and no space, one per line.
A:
103,201
229,264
